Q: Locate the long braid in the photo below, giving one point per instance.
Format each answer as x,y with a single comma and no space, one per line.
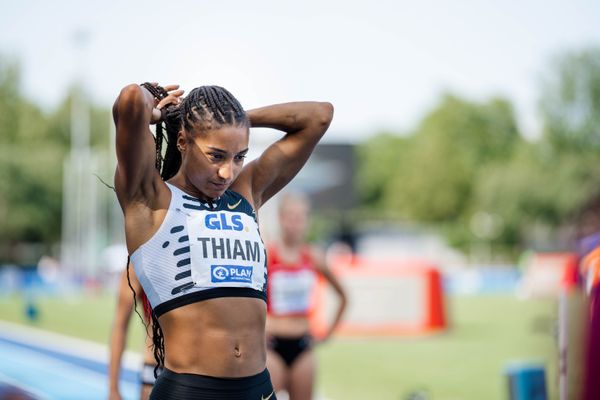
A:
158,339
159,93
205,107
158,344
158,140
172,159
133,290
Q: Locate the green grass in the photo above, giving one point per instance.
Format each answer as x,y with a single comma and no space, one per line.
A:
467,362
87,317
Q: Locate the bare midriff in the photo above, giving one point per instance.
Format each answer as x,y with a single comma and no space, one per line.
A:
288,326
222,337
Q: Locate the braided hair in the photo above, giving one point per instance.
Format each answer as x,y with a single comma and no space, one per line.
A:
204,108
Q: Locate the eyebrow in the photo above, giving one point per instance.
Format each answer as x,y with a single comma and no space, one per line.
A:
225,152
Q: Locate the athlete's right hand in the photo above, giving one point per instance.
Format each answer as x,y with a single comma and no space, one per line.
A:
173,98
114,395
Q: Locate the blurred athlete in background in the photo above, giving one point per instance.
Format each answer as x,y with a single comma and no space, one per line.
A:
293,269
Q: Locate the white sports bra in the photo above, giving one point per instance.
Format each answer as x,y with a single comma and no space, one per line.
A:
202,251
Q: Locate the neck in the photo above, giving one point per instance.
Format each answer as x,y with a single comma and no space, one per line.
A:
181,181
291,243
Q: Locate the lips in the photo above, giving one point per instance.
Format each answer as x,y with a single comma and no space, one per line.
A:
219,186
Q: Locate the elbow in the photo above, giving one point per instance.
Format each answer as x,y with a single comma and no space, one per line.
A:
319,117
130,92
325,114
130,100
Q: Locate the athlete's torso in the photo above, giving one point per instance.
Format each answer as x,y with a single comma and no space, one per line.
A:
204,273
202,251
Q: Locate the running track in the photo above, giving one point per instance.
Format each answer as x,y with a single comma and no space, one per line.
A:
49,366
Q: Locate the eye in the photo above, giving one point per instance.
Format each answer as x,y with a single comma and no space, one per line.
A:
216,156
240,157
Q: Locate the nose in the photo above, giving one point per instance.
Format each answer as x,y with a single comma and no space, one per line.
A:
225,171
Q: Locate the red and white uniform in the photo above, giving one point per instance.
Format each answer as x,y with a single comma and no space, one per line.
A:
290,286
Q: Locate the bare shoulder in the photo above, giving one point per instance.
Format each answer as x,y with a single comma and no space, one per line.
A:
243,185
144,216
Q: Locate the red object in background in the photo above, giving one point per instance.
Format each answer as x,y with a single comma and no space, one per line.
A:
436,314
548,274
386,298
570,278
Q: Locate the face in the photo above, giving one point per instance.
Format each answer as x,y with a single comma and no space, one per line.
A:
293,218
211,160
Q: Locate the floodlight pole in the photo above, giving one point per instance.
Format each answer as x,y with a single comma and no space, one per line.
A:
79,195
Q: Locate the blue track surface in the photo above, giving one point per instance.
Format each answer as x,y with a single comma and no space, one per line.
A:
50,374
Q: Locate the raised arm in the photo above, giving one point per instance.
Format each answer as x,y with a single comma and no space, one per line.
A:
304,124
133,111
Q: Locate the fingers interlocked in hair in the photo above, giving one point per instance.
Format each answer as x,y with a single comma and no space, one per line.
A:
167,101
157,91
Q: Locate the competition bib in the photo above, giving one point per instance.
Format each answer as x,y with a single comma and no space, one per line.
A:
225,250
290,292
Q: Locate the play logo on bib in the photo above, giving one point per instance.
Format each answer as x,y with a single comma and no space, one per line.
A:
231,273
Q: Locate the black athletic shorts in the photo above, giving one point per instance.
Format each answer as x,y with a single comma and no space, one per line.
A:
174,386
290,348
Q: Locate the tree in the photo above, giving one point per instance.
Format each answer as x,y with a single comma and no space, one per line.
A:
434,181
431,175
30,167
570,101
570,105
379,159
33,146
467,159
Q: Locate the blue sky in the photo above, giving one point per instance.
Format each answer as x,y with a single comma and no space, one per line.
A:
382,63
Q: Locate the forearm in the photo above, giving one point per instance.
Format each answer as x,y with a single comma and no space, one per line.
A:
118,334
338,316
339,290
292,117
117,347
132,113
135,145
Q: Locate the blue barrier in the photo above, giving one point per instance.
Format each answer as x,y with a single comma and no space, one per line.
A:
526,381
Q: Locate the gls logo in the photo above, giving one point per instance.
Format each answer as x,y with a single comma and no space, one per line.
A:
231,273
219,221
